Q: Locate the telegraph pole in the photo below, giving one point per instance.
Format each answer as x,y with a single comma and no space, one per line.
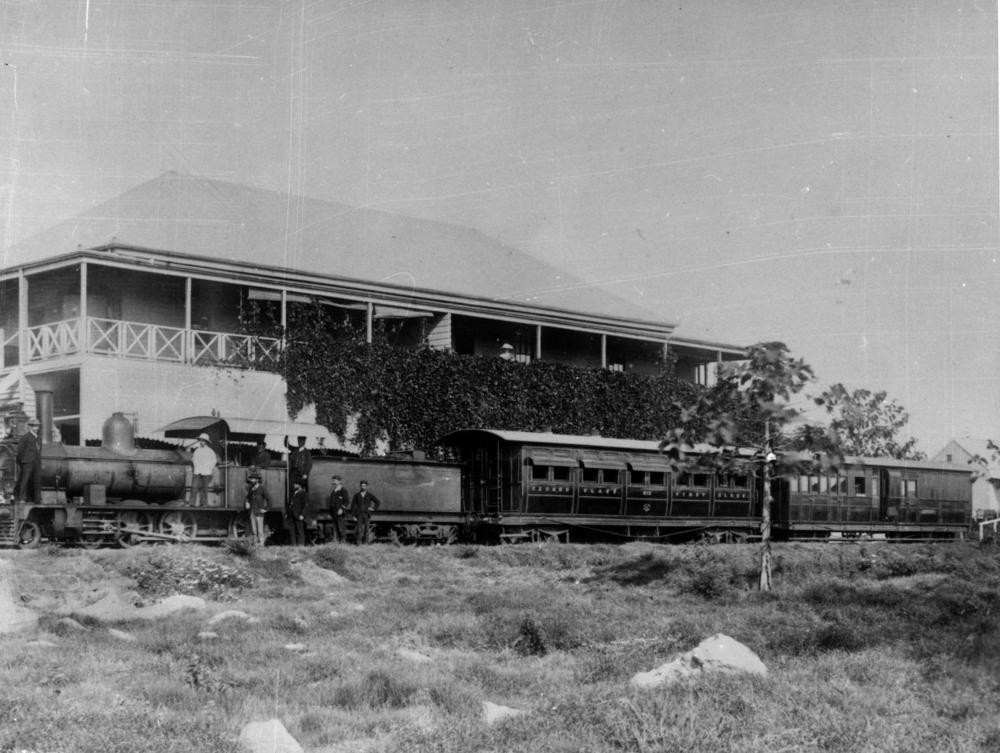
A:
765,518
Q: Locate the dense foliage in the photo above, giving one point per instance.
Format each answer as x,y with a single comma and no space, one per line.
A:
868,423
378,392
748,406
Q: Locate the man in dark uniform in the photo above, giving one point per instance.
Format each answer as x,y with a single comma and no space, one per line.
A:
299,463
340,504
29,464
362,506
295,513
257,503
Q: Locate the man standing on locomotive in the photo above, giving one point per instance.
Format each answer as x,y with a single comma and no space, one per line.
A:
362,506
29,464
299,463
257,502
204,461
340,504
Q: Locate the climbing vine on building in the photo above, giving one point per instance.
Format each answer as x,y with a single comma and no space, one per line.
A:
410,397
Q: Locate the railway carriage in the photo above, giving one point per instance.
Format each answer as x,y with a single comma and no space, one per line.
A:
543,485
868,496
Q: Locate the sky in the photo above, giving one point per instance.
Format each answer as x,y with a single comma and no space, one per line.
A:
819,172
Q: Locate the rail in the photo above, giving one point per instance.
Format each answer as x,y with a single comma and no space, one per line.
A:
983,526
149,342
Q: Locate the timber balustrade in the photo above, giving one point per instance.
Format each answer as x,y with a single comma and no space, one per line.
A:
136,340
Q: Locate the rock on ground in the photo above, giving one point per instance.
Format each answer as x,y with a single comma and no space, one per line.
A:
719,653
114,607
494,713
13,616
268,737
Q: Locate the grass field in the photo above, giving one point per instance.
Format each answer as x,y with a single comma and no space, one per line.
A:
870,647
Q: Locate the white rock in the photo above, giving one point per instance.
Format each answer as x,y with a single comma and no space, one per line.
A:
171,604
207,635
268,737
229,614
494,713
122,635
719,653
13,617
295,647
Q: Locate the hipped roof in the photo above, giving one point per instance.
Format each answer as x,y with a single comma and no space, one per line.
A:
230,222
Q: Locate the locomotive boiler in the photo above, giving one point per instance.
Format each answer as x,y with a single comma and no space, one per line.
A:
114,493
115,470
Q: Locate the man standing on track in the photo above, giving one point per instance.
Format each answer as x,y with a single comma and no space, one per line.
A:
257,502
296,514
362,507
340,504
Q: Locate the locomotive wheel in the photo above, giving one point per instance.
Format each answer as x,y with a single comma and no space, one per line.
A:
239,527
180,524
131,526
29,535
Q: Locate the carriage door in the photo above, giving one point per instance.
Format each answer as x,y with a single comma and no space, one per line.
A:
484,489
888,495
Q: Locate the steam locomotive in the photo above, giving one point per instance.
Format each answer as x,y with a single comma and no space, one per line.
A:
504,486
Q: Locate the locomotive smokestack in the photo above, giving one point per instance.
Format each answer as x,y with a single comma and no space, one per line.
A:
43,406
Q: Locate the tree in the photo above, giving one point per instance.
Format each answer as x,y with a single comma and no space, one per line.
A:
748,407
868,423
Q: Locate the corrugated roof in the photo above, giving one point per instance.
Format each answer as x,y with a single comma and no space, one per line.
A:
230,222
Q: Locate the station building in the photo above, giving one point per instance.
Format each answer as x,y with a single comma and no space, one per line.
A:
135,305
986,484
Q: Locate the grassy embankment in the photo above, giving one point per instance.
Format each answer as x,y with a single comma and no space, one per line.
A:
870,648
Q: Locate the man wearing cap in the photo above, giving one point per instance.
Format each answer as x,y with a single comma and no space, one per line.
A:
29,464
340,504
295,512
257,502
362,507
204,461
299,463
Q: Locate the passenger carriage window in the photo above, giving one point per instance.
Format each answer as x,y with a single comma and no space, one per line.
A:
560,473
859,486
909,487
610,475
740,482
838,485
692,479
539,472
822,484
657,478
637,478
590,475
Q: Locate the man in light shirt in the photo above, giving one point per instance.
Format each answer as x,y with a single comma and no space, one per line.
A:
204,460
